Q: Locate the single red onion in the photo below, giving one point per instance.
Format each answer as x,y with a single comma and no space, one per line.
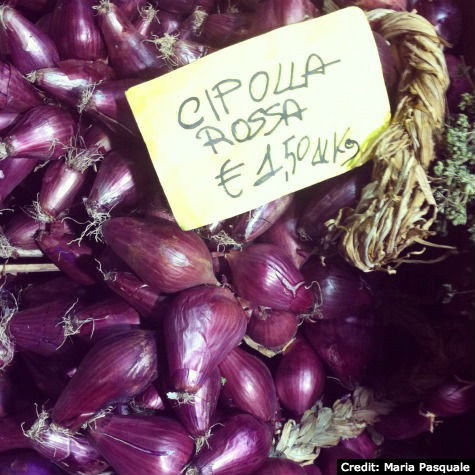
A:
116,369
280,466
46,290
130,54
452,398
6,393
44,133
201,328
29,47
283,234
13,171
223,29
148,401
160,253
405,422
63,249
27,463
18,237
346,346
328,459
263,274
300,377
74,30
7,119
248,385
341,288
362,444
142,445
73,453
241,445
16,93
147,22
272,329
99,138
445,15
197,412
69,79
11,434
460,81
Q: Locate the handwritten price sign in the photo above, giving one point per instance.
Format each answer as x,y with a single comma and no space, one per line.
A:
263,118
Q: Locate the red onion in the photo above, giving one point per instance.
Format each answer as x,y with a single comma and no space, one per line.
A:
346,346
43,133
168,23
116,369
300,377
460,81
74,30
18,238
7,119
363,445
43,24
398,5
147,21
129,52
445,15
280,466
240,446
272,329
283,234
202,326
223,29
11,434
130,7
196,412
453,398
142,445
12,172
312,470
29,47
63,249
160,253
149,400
342,290
185,7
249,385
27,463
328,459
33,6
405,422
190,27
264,275
72,452
99,138
6,392
68,81
16,93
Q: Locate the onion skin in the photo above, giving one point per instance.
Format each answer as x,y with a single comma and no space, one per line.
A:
130,7
184,7
272,329
224,29
46,290
198,414
300,377
149,400
312,470
116,369
43,133
12,172
453,398
99,138
7,119
363,445
20,234
264,275
16,93
398,5
249,385
11,435
6,391
142,445
29,47
27,463
328,460
202,326
240,446
74,30
280,466
147,22
168,23
160,253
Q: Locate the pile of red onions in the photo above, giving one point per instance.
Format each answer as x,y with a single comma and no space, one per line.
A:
130,346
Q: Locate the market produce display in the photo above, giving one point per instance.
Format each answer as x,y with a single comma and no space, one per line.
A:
333,322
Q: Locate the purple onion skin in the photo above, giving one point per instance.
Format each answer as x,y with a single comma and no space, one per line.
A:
34,6
30,48
43,133
341,289
312,470
16,93
398,5
11,435
248,226
46,290
7,119
70,78
142,445
363,445
147,22
184,7
223,29
20,233
12,172
6,392
27,463
249,385
202,326
198,415
99,138
168,23
44,23
108,316
347,346
39,329
329,458
272,329
445,15
280,466
74,259
149,400
452,398
240,446
300,377
129,52
160,253
74,30
130,7
264,275
404,422
460,81
116,369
